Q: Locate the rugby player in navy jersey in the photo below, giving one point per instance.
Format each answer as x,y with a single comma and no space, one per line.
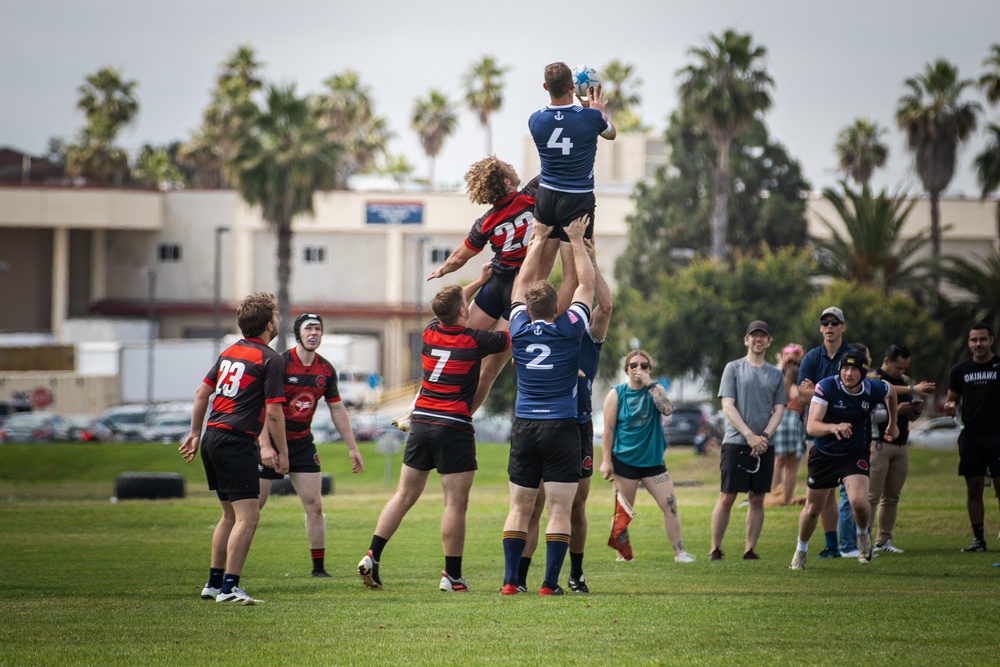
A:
545,439
590,355
247,383
838,422
441,436
565,133
308,379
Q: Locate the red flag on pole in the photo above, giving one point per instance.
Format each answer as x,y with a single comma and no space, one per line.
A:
619,539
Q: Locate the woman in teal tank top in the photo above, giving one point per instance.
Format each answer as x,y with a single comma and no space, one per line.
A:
632,446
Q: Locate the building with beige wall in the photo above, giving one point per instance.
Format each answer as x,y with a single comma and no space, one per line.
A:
71,253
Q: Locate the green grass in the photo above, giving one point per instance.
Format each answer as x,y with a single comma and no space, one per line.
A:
87,581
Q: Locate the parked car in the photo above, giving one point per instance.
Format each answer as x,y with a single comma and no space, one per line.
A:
322,427
169,427
682,426
359,389
131,420
93,428
36,427
937,433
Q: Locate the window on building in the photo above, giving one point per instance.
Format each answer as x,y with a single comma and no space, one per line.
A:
169,252
438,255
315,254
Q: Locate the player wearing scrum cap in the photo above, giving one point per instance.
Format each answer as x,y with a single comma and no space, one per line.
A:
838,420
308,378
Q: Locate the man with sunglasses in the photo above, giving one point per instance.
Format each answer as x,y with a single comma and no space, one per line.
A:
838,422
974,388
753,399
818,363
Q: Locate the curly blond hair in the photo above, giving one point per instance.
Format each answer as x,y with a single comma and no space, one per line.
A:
486,181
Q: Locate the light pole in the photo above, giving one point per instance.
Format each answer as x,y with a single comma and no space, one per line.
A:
217,289
418,285
150,274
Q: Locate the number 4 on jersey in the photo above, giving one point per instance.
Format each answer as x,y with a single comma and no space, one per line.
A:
565,144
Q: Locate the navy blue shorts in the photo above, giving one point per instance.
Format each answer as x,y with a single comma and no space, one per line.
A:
827,472
493,298
544,449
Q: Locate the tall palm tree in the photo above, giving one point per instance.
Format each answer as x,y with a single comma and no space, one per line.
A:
483,83
154,168
434,120
212,145
860,150
347,112
281,159
725,89
871,251
987,164
106,95
620,87
936,120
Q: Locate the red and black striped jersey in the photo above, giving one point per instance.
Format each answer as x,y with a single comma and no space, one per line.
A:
304,387
246,376
507,228
451,359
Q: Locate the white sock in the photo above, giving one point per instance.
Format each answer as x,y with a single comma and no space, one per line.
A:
802,546
863,531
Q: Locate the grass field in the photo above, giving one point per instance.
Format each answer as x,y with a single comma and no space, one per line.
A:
88,581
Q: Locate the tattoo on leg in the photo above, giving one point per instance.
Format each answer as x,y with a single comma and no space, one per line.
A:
661,478
672,504
679,546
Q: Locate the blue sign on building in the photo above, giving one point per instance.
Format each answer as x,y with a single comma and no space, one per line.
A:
394,213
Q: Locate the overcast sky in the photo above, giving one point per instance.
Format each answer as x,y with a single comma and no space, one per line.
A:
831,62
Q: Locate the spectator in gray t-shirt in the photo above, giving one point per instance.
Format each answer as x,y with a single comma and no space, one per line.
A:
753,399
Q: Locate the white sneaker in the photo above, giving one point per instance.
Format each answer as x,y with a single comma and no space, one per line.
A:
453,585
238,595
368,569
798,560
888,548
209,593
853,553
402,422
684,557
865,548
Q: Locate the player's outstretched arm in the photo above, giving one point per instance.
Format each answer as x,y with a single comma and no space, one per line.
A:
584,268
470,290
529,268
456,260
600,319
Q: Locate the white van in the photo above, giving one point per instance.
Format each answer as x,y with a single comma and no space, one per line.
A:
359,389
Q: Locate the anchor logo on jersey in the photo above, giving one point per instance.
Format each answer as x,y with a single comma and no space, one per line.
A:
559,115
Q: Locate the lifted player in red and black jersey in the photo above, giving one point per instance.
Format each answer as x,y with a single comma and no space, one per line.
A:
506,226
442,435
246,380
308,378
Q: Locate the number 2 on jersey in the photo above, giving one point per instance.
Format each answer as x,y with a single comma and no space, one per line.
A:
543,353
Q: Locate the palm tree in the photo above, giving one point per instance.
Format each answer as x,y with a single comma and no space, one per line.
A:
860,150
347,112
483,83
871,252
979,283
212,146
154,168
725,89
936,120
987,164
434,120
281,159
109,97
621,91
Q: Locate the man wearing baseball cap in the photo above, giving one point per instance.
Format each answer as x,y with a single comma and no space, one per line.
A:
838,420
818,363
753,400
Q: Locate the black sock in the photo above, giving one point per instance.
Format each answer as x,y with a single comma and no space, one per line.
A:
378,543
977,530
453,566
317,558
576,565
215,577
522,571
229,582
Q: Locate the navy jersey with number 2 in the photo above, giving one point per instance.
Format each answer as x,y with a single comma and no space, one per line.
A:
547,358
